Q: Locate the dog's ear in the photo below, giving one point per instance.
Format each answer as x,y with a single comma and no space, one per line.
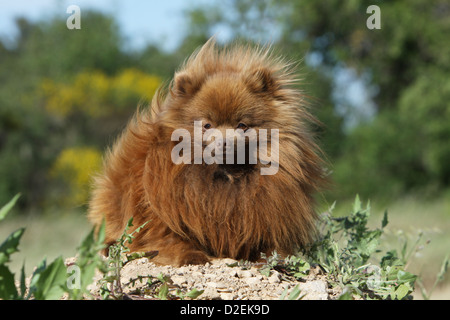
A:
185,86
261,80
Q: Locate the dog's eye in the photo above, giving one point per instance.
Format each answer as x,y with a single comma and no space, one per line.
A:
242,126
207,126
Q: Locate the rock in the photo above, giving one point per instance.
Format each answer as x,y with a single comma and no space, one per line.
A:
228,296
183,270
211,284
275,277
244,273
252,280
314,290
233,273
210,294
221,281
178,280
197,274
223,262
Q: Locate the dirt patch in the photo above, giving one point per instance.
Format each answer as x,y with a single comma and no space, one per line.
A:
223,279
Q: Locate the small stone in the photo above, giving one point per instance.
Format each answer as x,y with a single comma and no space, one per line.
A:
275,278
314,290
227,296
197,274
222,286
210,294
229,261
211,284
252,281
244,274
183,270
233,273
194,268
178,280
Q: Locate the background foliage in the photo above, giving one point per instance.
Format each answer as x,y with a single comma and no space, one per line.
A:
77,93
71,91
66,94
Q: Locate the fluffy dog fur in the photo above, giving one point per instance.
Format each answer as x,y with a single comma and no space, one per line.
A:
199,211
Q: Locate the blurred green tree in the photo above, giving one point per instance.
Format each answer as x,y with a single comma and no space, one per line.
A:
405,147
47,55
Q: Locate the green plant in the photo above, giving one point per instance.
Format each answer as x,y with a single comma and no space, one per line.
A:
48,281
346,250
163,292
111,285
87,262
52,281
293,295
118,257
295,266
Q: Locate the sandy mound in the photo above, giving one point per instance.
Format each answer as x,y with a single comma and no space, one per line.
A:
223,279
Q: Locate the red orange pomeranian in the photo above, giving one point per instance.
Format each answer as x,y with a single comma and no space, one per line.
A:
201,203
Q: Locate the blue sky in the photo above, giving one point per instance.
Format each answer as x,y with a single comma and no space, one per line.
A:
140,20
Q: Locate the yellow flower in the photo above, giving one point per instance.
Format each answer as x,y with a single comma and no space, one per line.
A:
97,95
75,166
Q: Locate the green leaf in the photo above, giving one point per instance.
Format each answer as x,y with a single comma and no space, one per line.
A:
385,221
138,255
331,208
405,276
8,290
283,294
138,229
265,271
101,233
86,275
390,259
7,207
23,286
357,205
232,265
163,291
36,274
87,243
194,293
404,251
443,270
51,281
295,293
401,291
347,294
9,246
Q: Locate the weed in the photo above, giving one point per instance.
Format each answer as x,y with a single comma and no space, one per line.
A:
345,251
293,295
118,257
48,281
